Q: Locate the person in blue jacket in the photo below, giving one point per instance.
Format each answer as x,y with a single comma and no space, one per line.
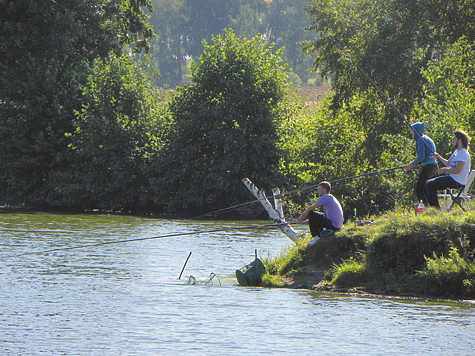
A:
425,149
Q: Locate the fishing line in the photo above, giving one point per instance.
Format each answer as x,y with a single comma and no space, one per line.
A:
298,190
388,101
154,237
50,231
346,57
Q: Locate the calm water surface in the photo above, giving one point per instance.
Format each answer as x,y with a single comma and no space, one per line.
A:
126,299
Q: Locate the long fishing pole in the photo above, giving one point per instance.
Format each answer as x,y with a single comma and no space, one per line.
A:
343,179
226,209
47,231
367,174
389,102
298,190
153,237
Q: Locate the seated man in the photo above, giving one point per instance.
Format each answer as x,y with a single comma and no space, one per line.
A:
332,217
455,170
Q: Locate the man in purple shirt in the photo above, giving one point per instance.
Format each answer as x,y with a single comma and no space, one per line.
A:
332,217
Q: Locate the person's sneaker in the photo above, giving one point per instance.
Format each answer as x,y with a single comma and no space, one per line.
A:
326,232
314,241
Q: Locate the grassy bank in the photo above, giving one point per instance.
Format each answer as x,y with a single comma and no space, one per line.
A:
399,254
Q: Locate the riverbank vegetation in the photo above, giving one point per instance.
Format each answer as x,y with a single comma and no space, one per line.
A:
428,255
82,126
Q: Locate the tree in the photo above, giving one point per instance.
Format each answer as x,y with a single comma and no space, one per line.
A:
118,129
286,24
391,41
206,18
449,102
47,48
225,126
168,48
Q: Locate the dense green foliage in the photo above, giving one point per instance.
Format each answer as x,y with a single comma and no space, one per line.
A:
225,126
319,145
47,48
392,42
118,129
82,128
449,102
430,255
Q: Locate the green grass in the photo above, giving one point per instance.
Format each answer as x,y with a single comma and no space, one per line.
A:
269,280
448,276
349,273
292,259
431,255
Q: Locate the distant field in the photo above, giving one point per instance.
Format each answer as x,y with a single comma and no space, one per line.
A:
312,95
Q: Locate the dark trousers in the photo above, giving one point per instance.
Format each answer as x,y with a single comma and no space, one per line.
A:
439,183
317,222
427,172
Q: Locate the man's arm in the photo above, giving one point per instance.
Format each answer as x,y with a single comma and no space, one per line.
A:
455,170
302,217
444,161
420,151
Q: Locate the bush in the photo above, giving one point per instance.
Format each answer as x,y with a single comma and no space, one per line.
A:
448,276
116,132
350,273
225,127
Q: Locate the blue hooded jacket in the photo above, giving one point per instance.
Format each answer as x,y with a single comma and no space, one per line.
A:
424,154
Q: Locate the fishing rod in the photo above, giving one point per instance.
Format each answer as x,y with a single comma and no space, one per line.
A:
388,101
47,231
154,237
367,174
299,190
343,179
227,209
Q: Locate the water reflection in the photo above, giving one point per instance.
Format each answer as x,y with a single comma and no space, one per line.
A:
125,299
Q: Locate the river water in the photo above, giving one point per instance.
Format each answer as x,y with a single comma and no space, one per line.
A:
126,298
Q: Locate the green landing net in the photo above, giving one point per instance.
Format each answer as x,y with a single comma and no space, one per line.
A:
251,274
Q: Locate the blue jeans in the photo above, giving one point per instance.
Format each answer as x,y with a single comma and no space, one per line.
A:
439,183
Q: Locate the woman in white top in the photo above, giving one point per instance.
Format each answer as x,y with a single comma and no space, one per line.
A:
455,171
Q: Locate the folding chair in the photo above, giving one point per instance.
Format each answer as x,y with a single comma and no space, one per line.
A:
462,195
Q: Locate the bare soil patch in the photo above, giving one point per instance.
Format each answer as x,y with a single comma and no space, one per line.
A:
323,256
308,277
